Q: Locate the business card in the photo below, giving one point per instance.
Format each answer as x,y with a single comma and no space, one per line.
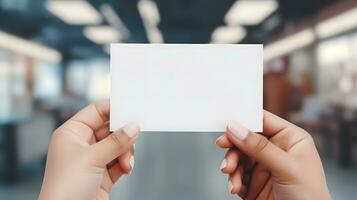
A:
186,87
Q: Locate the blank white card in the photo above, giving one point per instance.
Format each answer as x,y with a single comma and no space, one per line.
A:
186,87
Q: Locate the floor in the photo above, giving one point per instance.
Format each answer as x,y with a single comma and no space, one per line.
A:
180,166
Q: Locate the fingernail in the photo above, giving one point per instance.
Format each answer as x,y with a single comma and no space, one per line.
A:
131,129
238,130
218,139
230,186
132,162
224,164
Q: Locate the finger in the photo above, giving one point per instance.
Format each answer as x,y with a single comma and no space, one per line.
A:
94,115
127,161
243,192
249,164
236,180
224,142
246,178
112,163
273,124
114,145
230,162
102,132
259,178
267,189
106,183
259,148
115,172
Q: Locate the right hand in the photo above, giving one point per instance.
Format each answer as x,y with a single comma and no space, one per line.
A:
281,163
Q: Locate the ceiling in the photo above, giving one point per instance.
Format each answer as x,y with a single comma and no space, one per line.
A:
182,21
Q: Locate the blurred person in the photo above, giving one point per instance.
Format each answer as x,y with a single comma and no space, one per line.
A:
85,159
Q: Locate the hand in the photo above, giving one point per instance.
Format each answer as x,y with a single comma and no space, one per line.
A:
84,159
281,163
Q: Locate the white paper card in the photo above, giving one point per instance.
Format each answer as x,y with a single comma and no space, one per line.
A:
186,87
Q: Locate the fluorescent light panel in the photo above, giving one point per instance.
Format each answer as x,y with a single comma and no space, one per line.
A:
250,12
151,18
76,12
102,34
149,12
154,35
114,20
333,51
228,34
289,44
339,24
28,48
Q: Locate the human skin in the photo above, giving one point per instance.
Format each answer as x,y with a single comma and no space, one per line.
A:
281,163
84,159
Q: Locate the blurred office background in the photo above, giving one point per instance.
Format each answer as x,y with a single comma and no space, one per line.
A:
54,59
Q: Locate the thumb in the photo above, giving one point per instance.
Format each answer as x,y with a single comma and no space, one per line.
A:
114,144
259,148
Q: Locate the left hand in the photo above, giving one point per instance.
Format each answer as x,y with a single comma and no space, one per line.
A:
85,159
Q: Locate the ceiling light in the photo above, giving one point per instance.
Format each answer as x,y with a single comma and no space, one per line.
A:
331,52
113,19
28,48
289,44
154,35
74,12
338,24
149,12
250,12
102,34
151,18
228,34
